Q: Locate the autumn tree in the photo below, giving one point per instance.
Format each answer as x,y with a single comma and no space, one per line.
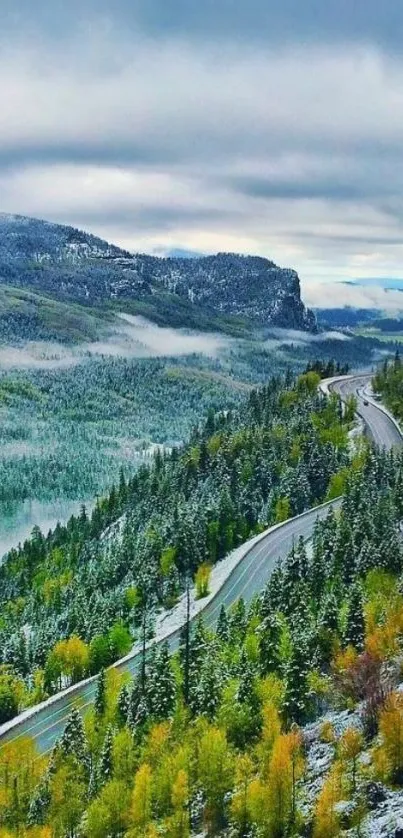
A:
350,746
215,770
391,730
109,813
240,804
141,800
327,820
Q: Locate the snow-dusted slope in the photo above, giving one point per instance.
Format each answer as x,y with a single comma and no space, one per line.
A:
72,264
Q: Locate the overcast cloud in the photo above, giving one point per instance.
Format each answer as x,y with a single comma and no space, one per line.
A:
250,126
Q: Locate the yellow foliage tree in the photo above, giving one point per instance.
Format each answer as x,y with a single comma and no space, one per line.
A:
327,822
178,824
202,580
141,800
271,730
286,766
349,748
282,510
109,813
123,755
215,770
241,810
20,771
71,656
174,762
68,798
391,729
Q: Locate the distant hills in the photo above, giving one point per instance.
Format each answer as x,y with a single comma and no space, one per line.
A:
225,291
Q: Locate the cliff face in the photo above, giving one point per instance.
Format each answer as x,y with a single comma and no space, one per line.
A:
75,265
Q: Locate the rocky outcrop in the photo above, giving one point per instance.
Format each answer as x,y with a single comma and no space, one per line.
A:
72,264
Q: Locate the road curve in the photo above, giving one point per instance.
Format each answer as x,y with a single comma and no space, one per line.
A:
380,427
246,579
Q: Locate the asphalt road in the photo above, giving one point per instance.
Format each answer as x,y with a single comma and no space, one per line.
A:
379,427
247,579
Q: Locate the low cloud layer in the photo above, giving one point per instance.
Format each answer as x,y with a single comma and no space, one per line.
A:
257,127
338,295
133,337
136,337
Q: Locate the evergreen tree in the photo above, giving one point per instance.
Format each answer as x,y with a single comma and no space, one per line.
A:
329,616
247,684
238,622
100,696
105,766
270,632
296,690
39,805
73,741
222,630
206,697
355,628
138,705
161,685
123,705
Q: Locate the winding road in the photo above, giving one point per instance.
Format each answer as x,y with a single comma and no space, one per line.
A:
46,722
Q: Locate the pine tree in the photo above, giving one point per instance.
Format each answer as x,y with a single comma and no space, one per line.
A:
100,697
206,698
105,760
123,705
355,628
161,685
296,689
238,622
329,617
222,630
93,785
272,600
73,741
137,699
367,558
247,684
270,632
39,805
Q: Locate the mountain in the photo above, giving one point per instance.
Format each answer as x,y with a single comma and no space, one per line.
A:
348,316
69,264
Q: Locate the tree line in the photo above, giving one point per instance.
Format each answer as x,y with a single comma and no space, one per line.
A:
73,601
212,737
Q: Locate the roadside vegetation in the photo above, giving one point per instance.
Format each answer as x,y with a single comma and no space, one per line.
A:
218,737
388,382
73,601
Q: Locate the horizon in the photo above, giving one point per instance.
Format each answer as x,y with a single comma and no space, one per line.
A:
247,128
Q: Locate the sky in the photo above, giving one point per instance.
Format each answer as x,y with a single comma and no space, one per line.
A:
261,127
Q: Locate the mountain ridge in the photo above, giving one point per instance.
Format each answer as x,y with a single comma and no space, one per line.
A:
76,265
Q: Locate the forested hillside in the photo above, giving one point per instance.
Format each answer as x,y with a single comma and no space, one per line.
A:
215,737
66,432
67,426
73,601
72,265
388,382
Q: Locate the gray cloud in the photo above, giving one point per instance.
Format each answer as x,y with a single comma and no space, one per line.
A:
261,20
155,127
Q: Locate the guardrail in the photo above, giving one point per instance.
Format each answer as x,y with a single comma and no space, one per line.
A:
244,550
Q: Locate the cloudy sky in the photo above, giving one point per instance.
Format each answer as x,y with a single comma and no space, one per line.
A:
250,125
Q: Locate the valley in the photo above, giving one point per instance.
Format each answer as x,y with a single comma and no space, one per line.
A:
90,379
163,463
